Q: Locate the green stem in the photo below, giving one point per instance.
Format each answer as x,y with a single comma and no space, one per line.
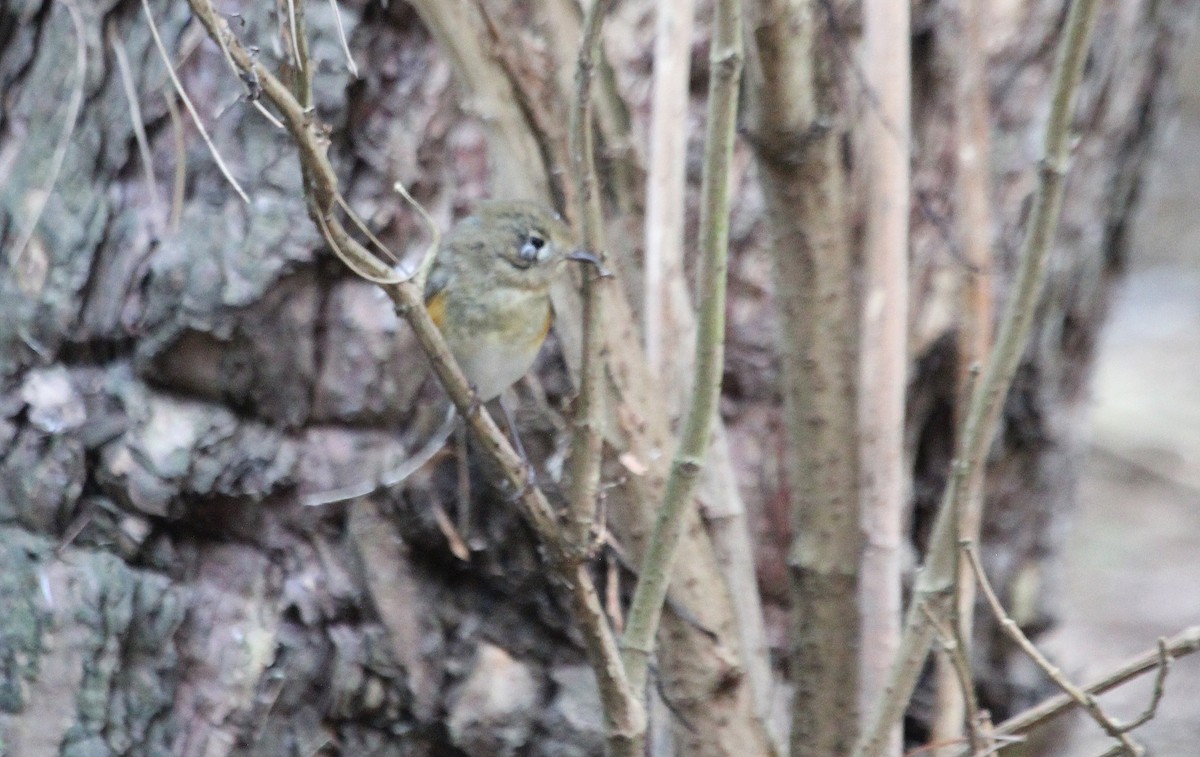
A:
586,443
646,609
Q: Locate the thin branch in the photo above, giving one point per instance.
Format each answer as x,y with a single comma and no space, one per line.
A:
435,235
974,230
646,609
64,140
337,19
1010,627
162,50
362,226
987,399
1156,695
291,9
135,116
540,110
1182,644
179,186
952,644
251,87
587,440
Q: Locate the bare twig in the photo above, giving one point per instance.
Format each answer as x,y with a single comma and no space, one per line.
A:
646,608
162,50
1184,643
250,85
337,19
435,235
70,118
987,398
135,116
587,437
1160,681
974,232
179,186
955,651
1081,697
291,9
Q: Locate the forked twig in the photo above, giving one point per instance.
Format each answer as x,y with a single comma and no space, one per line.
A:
1083,698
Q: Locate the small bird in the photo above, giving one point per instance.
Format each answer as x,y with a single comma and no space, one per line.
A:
488,289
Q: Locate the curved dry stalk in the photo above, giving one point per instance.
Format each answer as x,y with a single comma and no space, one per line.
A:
937,576
337,19
646,608
187,102
179,186
135,115
74,105
435,235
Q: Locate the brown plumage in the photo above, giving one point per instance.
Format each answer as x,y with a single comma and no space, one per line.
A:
488,290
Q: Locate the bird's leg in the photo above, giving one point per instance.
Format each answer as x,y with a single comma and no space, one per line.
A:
464,486
530,471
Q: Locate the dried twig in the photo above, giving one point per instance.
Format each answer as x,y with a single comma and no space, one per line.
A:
337,19
135,115
162,50
951,640
1182,644
1084,699
64,140
435,235
179,186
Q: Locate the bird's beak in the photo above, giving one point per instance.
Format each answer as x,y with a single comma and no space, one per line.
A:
583,256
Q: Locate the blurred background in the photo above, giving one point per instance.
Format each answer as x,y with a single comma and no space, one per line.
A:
1133,563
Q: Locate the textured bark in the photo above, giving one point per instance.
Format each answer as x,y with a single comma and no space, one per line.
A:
166,392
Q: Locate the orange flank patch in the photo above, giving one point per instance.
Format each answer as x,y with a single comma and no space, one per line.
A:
546,327
436,305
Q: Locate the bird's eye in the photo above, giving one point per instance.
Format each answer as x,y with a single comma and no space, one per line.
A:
531,250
